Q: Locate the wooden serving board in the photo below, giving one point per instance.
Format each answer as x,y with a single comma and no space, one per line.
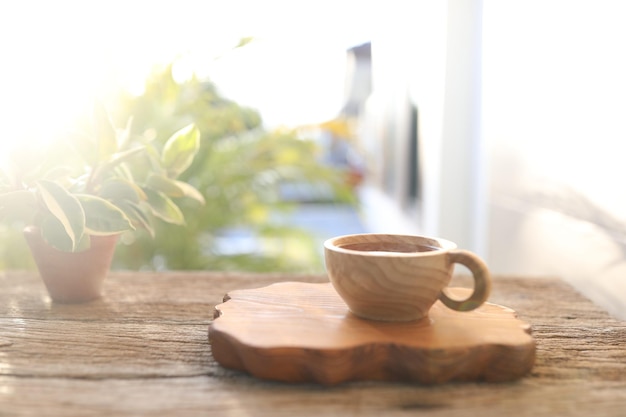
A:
301,332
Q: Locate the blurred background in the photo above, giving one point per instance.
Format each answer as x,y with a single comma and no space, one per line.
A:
498,124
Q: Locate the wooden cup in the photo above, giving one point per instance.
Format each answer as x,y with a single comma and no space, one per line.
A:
399,277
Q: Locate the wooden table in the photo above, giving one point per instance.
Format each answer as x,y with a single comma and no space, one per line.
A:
143,350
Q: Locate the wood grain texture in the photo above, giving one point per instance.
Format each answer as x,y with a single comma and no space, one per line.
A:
399,277
300,332
143,350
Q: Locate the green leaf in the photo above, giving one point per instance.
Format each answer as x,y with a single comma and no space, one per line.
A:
164,208
190,191
120,157
137,216
163,184
106,138
119,189
103,217
65,208
54,234
173,188
244,41
180,150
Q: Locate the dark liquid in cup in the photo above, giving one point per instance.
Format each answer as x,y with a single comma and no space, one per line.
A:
388,247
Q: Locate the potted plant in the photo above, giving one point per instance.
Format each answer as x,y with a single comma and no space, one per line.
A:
105,183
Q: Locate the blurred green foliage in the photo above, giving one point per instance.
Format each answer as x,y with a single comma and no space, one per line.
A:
239,169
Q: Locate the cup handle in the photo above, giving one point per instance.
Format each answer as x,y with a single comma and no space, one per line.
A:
482,281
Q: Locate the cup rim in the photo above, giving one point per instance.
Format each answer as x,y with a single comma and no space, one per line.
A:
444,245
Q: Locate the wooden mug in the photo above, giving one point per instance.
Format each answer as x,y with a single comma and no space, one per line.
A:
393,277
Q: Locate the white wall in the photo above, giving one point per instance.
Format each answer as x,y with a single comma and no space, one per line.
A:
554,91
432,50
523,124
463,200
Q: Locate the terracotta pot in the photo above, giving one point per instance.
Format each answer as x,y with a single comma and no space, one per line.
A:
72,277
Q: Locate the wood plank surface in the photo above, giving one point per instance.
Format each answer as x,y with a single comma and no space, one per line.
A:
143,350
